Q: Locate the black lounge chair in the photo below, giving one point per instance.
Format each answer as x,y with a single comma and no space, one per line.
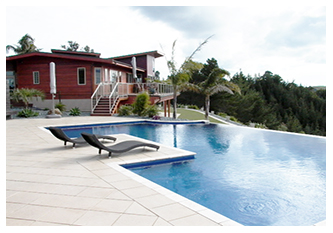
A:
58,133
118,148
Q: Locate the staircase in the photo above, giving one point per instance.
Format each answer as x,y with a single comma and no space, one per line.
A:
103,107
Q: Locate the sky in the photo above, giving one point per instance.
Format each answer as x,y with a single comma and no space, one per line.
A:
287,40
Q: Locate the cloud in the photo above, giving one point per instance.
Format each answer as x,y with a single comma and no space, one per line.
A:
305,31
195,22
287,41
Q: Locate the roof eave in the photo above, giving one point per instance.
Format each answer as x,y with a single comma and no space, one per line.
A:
154,53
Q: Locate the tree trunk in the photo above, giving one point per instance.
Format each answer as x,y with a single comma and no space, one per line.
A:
207,105
174,102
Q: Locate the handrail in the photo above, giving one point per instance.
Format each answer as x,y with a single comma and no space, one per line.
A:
95,96
99,85
113,93
154,88
119,90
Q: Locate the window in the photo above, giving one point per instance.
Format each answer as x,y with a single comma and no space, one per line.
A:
130,78
81,76
113,76
35,75
98,75
106,77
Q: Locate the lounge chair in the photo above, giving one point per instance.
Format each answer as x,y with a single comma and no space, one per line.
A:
58,133
117,148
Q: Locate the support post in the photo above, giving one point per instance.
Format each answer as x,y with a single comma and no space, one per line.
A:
165,108
169,108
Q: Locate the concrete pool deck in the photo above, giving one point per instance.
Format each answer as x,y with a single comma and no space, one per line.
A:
48,184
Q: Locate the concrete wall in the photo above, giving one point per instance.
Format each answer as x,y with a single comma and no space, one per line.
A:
82,104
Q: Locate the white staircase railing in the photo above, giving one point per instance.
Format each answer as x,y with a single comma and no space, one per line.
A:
102,90
96,96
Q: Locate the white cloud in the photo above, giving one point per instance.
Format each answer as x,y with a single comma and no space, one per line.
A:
289,41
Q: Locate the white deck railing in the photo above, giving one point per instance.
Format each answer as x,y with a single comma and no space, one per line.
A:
115,90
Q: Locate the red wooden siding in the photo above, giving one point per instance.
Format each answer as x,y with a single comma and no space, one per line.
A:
66,76
66,73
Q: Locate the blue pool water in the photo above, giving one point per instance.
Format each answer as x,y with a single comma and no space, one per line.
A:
254,177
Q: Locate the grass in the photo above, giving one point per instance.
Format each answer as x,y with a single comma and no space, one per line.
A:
192,115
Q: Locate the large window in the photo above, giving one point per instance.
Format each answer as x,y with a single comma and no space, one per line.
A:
98,76
35,76
81,76
113,76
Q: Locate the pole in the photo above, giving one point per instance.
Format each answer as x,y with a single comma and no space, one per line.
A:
53,90
53,104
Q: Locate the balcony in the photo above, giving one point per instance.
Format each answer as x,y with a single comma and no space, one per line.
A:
111,94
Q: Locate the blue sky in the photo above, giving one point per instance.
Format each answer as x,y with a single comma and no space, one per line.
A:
287,40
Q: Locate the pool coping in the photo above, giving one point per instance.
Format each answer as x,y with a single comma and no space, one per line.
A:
183,155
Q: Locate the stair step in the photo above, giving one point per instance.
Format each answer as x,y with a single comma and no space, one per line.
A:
102,107
100,114
101,110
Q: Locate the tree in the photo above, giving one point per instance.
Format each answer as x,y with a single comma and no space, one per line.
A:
181,75
26,94
26,45
73,46
213,83
87,49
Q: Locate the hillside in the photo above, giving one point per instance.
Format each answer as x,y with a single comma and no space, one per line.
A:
270,101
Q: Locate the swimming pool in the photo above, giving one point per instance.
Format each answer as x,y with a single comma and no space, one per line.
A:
254,177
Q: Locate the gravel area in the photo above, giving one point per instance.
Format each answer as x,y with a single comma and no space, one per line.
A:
43,113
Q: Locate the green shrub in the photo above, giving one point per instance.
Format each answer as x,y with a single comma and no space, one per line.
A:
60,106
260,126
75,112
151,111
27,112
125,110
232,118
223,114
141,104
193,107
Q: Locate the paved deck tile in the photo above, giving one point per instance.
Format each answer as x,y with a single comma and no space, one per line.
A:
49,184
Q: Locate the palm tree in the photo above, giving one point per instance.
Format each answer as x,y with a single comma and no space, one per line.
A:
26,45
180,76
213,84
26,94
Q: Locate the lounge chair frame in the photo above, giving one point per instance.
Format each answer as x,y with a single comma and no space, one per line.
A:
59,133
117,148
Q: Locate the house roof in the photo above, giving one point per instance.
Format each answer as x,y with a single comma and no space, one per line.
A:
75,53
154,53
80,56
